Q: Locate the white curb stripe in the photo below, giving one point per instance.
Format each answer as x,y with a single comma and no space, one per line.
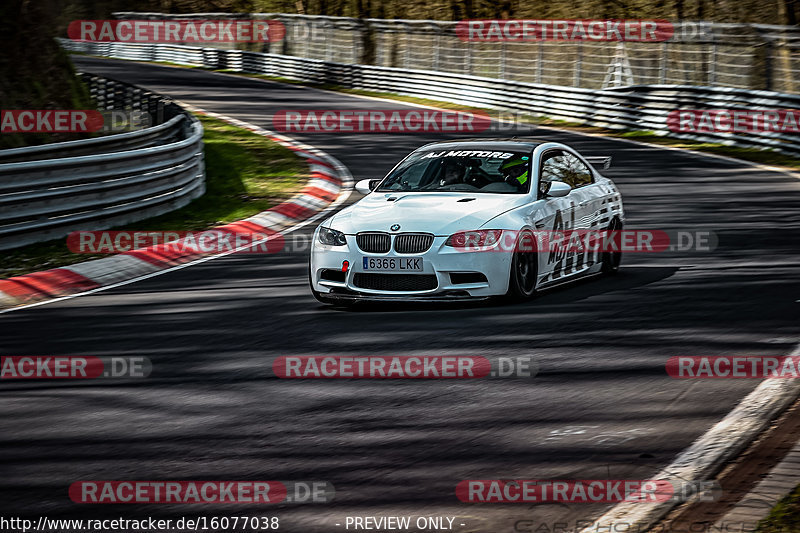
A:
113,269
6,300
324,185
270,220
322,169
308,201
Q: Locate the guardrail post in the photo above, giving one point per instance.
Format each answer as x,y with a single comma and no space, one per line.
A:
576,82
329,29
539,59
502,69
407,51
436,49
291,29
768,49
662,71
712,65
368,44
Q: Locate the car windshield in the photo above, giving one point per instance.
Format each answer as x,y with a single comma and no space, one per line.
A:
479,171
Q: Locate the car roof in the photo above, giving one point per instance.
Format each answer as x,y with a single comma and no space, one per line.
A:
512,144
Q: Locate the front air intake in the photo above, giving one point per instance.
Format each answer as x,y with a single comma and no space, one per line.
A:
395,282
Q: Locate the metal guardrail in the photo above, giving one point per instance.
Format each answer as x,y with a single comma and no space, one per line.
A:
744,55
644,107
50,190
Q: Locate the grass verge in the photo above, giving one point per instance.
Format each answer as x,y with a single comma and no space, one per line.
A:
784,517
245,174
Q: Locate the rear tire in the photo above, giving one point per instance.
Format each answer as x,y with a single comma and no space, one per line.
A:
612,260
524,272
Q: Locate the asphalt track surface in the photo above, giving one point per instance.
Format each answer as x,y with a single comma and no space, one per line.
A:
602,405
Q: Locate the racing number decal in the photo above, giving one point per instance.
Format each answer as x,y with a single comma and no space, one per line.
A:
555,253
559,246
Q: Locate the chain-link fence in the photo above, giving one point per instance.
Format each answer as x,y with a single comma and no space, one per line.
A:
747,56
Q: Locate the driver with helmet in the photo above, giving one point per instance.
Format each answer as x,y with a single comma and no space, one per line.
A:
515,171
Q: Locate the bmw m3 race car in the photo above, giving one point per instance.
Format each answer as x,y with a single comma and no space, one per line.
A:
448,221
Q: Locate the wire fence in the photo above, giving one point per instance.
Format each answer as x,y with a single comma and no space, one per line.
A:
636,107
746,56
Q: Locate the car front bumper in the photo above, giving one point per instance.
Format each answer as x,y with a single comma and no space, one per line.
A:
439,262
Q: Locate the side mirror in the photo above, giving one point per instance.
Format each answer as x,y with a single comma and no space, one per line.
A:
557,189
367,186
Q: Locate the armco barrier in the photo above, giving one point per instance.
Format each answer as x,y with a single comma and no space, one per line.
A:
747,56
328,186
50,190
644,107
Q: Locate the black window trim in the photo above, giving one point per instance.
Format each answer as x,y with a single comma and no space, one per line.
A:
571,152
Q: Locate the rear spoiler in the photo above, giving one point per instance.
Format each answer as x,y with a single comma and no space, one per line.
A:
600,161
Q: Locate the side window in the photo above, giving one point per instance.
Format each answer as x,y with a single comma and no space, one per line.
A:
559,165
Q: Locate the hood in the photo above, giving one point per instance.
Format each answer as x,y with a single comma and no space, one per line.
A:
440,213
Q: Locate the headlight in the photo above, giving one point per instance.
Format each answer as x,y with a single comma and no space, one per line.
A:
474,239
331,237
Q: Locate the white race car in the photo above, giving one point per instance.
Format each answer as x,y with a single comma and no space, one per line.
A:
447,222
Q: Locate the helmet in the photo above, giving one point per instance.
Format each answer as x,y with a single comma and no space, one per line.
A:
515,170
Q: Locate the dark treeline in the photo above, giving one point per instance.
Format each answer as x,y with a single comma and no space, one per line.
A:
35,73
758,11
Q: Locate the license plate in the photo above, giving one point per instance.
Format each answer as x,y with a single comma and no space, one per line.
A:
392,264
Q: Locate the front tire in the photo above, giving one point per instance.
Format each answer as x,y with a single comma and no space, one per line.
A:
524,271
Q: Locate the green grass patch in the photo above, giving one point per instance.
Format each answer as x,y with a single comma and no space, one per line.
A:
245,174
784,517
756,155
